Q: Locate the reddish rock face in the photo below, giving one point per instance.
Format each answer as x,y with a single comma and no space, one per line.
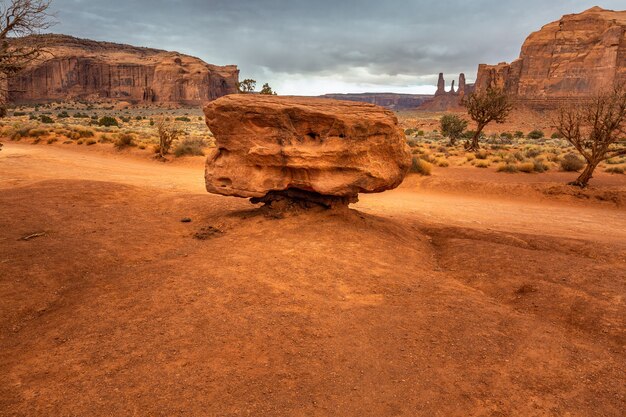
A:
578,55
89,70
328,147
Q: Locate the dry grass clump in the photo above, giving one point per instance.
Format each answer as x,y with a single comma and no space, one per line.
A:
124,140
190,147
419,166
572,163
482,164
615,170
442,162
508,168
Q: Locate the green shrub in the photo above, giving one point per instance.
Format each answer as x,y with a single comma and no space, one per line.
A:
535,134
46,119
189,146
63,115
80,116
555,135
571,163
19,113
108,121
420,166
506,135
519,134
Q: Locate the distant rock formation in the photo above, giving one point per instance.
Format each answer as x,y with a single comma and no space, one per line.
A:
80,69
578,55
448,100
315,150
392,101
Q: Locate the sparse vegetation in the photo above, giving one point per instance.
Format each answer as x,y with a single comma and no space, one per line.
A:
452,126
189,146
493,105
596,128
419,166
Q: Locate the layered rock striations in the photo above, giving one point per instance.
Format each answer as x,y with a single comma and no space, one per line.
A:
79,69
578,55
322,150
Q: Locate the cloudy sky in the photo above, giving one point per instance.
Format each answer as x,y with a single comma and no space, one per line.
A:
323,46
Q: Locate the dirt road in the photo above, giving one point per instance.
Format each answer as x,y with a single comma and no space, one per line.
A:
414,304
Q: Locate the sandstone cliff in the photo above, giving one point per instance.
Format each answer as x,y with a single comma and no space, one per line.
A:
80,69
575,56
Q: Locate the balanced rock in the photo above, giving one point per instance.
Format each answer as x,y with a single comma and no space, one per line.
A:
315,150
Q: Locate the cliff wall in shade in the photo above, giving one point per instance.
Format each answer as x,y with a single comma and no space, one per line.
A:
80,69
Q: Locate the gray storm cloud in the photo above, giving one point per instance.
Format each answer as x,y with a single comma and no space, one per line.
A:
322,46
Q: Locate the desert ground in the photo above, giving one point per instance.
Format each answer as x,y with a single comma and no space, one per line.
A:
469,292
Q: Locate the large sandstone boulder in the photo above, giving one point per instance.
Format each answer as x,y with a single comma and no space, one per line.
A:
301,147
580,54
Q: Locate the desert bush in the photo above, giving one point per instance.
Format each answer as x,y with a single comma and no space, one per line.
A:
63,115
90,142
470,157
419,166
615,170
80,116
481,154
535,134
46,119
189,146
481,164
35,133
508,168
19,113
519,134
555,135
526,167
105,139
108,121
571,163
79,142
532,152
51,141
518,156
539,165
442,163
506,135
125,140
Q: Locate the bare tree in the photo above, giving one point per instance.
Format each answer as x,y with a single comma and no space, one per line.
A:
19,18
597,129
493,105
168,132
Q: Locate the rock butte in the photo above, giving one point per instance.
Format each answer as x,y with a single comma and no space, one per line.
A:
302,148
82,69
578,55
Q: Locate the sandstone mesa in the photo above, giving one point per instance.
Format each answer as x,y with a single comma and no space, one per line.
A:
578,55
298,145
80,69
